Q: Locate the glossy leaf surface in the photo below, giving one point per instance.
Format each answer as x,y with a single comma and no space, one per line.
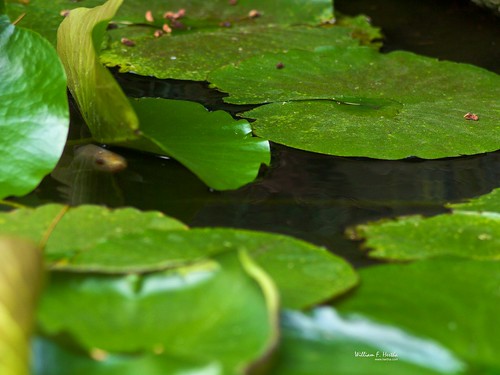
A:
34,114
171,310
102,103
324,342
356,102
452,302
219,150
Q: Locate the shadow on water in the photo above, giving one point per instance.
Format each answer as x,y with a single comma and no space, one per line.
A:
311,196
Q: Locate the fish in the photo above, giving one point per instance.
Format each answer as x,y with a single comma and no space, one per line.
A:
87,176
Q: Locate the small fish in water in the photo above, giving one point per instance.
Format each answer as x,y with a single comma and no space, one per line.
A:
87,175
100,159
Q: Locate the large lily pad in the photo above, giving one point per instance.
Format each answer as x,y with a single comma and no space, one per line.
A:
354,101
103,105
471,230
451,302
91,238
324,342
194,55
34,115
171,311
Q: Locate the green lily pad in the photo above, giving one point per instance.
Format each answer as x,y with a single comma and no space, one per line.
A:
103,104
171,311
51,358
34,115
324,342
219,150
96,239
471,230
354,101
452,302
20,279
192,56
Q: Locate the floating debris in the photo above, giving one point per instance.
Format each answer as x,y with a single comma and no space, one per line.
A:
127,42
149,16
254,13
166,28
174,15
471,116
233,2
158,33
280,65
64,12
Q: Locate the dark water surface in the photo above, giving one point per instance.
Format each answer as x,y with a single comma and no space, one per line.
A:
311,196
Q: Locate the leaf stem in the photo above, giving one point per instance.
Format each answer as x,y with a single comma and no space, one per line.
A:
12,204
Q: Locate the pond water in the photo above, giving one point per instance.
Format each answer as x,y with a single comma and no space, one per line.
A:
311,196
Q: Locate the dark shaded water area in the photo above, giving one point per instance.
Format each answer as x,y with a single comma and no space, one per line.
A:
312,196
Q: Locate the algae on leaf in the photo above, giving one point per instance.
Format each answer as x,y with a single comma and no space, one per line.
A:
471,230
354,101
34,115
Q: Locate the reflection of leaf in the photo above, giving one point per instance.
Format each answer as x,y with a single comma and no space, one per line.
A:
20,279
472,230
104,106
324,342
423,116
218,149
33,109
452,302
210,310
91,238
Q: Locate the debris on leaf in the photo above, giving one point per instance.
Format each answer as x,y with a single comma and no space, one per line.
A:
149,16
127,42
471,116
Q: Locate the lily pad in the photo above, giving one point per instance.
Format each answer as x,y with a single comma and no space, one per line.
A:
354,101
34,115
471,230
91,238
92,85
452,302
324,342
20,279
192,56
171,311
219,150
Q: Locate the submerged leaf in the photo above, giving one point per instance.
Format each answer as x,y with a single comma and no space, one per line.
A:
20,280
354,101
102,103
471,230
34,115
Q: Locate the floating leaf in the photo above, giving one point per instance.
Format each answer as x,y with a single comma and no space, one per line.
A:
104,106
34,113
171,311
91,238
218,149
20,279
353,101
192,56
471,230
324,342
451,302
